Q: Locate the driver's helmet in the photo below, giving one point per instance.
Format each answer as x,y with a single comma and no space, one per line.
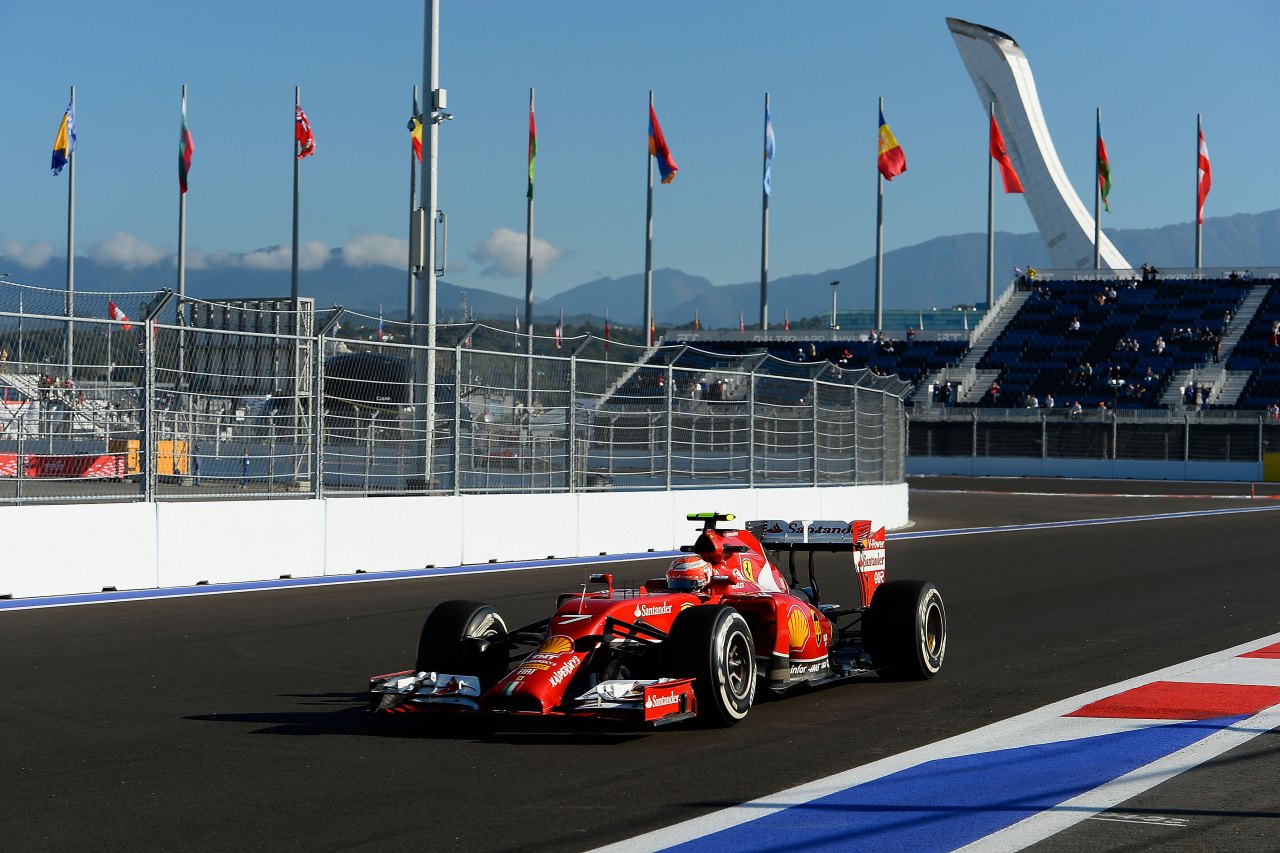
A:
690,573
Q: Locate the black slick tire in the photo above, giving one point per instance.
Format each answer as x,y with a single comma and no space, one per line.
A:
454,640
905,630
712,644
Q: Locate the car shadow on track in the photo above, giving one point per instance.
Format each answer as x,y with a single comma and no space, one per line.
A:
346,714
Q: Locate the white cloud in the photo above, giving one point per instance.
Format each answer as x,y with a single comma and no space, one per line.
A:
312,255
503,254
124,249
29,255
369,250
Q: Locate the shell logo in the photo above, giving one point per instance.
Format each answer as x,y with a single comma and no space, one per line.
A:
798,624
557,645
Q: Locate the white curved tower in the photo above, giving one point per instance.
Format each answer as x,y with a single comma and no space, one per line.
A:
1001,73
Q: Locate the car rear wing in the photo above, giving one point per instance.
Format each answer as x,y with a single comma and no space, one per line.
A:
826,535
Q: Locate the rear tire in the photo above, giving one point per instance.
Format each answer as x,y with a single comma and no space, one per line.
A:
713,646
905,629
455,639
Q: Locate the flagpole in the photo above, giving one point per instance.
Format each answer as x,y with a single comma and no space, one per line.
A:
182,224
879,242
991,216
435,96
648,244
528,266
413,204
764,228
293,275
1196,218
71,249
1097,194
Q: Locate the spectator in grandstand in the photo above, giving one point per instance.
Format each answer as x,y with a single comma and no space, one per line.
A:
1076,409
1074,325
992,397
1189,394
4,354
1226,320
1273,412
911,333
1048,400
1158,346
873,336
1032,401
244,467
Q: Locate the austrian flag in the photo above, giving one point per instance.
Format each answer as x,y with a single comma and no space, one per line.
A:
114,312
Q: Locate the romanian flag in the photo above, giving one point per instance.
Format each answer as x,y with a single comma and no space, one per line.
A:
1204,179
415,134
1104,169
1001,155
64,144
533,148
658,148
302,133
892,160
186,147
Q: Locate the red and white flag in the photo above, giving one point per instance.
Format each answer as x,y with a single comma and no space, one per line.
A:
302,133
742,323
559,329
1205,180
114,312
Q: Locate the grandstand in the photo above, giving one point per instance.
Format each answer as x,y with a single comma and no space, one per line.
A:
1116,340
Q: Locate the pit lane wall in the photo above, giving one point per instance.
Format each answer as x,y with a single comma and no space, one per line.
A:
79,548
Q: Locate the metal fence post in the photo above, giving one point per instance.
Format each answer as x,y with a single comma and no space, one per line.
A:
573,421
815,431
1044,435
317,419
973,450
457,417
1260,457
671,426
148,473
1186,437
1115,432
751,428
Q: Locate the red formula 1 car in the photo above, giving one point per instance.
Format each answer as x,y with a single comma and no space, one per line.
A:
698,643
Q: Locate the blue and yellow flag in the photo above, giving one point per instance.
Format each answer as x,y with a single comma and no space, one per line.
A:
64,144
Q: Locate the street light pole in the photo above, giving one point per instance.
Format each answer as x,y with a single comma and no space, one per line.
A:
834,285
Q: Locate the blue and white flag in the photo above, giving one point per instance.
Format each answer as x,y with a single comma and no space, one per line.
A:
768,152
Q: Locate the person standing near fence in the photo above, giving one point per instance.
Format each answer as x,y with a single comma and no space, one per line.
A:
195,465
244,467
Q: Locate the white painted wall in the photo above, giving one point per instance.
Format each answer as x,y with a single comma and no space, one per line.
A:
78,548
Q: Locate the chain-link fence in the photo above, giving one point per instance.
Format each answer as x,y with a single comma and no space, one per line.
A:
140,397
1205,436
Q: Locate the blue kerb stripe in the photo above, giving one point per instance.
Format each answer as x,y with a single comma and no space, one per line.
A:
951,802
286,583
1082,522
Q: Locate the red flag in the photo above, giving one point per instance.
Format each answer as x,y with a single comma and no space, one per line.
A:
302,133
658,149
606,331
653,332
559,329
742,323
1205,180
1001,155
697,324
786,321
114,312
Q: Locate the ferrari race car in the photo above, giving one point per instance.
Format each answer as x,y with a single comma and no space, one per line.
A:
669,650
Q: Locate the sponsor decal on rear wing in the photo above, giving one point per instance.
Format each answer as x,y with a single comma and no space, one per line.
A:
806,535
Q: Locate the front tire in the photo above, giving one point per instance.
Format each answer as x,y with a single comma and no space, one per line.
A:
455,640
905,629
713,646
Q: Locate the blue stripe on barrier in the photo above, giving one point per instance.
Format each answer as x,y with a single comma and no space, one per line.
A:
948,803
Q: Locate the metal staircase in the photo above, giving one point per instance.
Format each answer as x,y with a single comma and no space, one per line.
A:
967,382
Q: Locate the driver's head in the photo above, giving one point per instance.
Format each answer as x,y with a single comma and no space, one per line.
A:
689,573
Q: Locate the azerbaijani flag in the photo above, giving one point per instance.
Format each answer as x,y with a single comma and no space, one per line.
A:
658,148
892,160
1001,155
186,147
1205,179
1104,169
533,148
64,144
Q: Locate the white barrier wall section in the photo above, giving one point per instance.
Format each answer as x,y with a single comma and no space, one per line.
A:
80,548
66,549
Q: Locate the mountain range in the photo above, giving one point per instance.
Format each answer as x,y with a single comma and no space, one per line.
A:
937,273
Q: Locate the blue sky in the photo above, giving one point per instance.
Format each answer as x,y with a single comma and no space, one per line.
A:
1150,66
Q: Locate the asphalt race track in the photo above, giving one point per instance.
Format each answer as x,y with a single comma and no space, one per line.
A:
234,722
